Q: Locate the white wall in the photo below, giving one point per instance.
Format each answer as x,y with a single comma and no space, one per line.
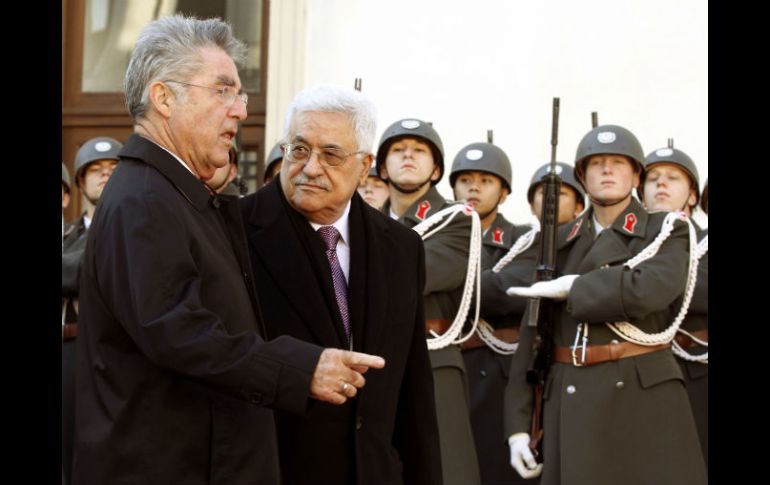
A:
496,64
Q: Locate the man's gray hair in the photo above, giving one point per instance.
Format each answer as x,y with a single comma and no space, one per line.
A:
169,49
331,98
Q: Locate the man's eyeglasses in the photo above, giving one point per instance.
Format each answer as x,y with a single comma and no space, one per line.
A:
227,94
301,153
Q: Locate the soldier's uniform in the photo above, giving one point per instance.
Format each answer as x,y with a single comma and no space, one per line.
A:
625,417
486,368
696,320
446,261
73,250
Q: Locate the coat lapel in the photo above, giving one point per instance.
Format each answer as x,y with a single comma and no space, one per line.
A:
280,248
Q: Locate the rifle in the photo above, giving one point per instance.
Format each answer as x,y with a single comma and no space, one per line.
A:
540,314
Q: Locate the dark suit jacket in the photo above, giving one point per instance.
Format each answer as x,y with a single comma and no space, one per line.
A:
388,433
173,377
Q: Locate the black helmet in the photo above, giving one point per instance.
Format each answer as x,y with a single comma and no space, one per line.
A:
99,148
610,139
413,128
675,157
65,177
482,157
275,156
565,173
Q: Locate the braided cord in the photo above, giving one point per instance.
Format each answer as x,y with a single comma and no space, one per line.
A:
631,333
523,243
472,275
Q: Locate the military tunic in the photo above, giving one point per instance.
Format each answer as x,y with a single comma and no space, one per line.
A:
488,370
696,374
73,249
625,421
446,262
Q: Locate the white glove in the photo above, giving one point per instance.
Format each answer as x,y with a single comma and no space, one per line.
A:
522,459
557,289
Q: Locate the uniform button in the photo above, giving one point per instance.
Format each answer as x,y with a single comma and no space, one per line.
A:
484,373
571,389
614,342
255,398
620,384
359,422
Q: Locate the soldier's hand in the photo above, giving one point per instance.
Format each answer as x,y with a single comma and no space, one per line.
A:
557,289
339,374
522,459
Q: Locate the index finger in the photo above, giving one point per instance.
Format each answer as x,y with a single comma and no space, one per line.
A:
361,359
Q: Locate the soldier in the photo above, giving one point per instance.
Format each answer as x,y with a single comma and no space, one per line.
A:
481,176
615,411
273,163
226,180
94,163
411,159
670,183
571,197
374,190
65,196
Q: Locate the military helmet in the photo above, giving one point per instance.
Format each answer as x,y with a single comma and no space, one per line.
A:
675,157
482,157
99,148
609,139
373,172
565,173
412,128
275,156
65,177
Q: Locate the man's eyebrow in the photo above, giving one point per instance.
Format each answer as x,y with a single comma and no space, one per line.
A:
225,80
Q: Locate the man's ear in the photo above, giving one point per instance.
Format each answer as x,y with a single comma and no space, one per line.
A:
162,98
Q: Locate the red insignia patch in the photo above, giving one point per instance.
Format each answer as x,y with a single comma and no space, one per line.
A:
575,230
630,223
497,235
422,210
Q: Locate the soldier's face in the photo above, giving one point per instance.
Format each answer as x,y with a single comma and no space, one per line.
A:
95,177
374,191
610,177
320,192
667,188
569,206
410,163
202,126
482,190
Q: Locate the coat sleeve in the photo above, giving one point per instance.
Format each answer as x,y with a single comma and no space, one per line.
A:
416,427
517,397
620,293
519,272
71,260
446,254
149,276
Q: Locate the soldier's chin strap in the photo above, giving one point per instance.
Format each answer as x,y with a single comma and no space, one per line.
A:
404,190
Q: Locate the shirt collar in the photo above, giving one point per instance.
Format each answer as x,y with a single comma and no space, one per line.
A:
340,224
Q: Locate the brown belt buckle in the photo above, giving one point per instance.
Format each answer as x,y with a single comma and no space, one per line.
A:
580,345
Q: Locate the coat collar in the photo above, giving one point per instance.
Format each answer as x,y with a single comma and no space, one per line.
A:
144,150
501,234
421,209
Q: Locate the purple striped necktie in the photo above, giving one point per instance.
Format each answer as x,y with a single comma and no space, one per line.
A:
331,236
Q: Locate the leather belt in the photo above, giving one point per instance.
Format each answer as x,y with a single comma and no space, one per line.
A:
69,331
686,342
509,335
438,325
596,354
